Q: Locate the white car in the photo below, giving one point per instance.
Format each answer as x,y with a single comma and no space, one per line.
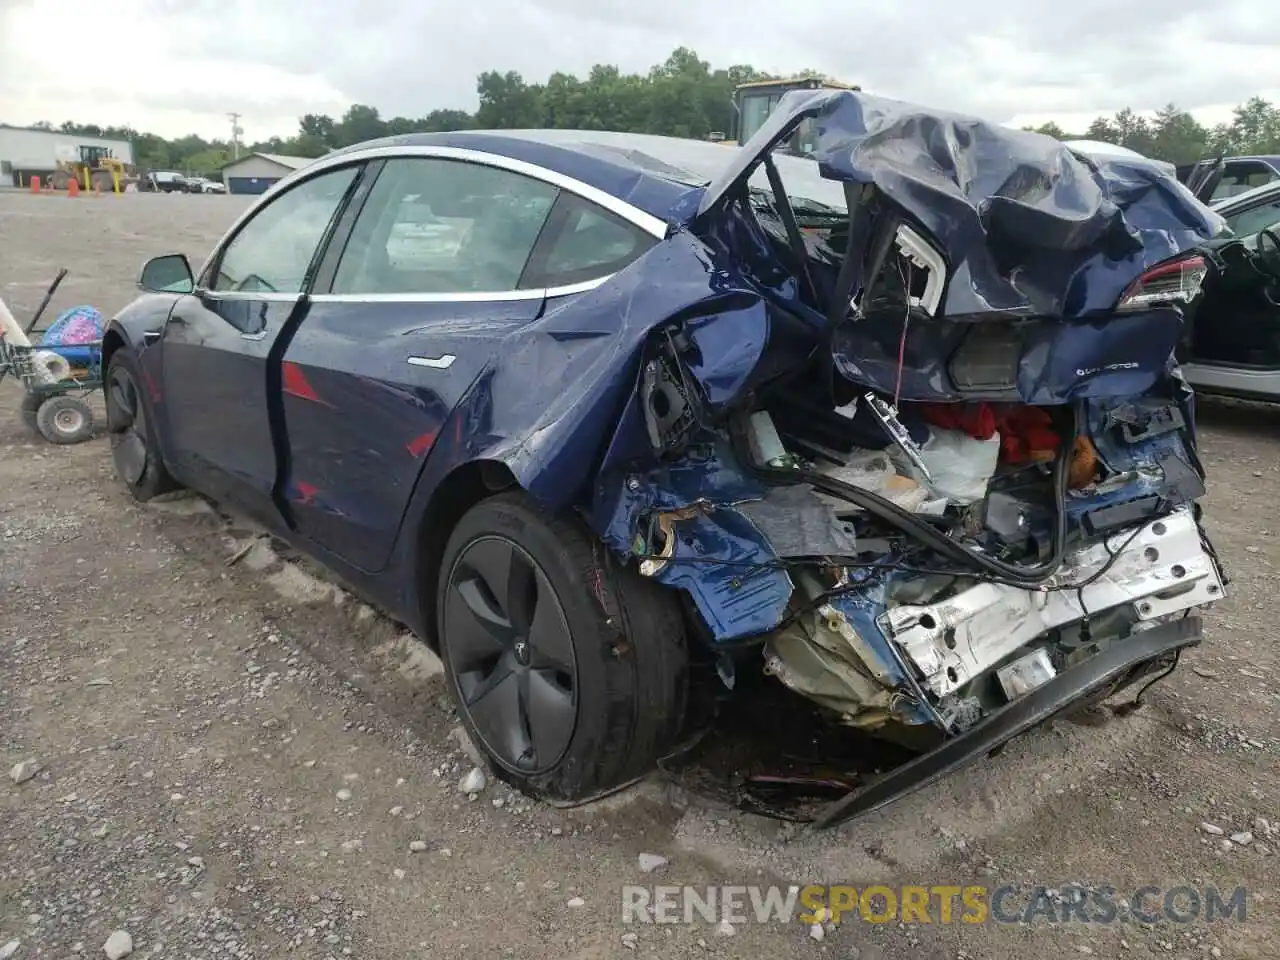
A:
205,185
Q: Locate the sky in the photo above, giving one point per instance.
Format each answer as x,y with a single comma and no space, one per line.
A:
174,67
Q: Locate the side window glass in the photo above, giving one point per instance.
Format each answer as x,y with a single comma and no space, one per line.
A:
585,242
272,251
1253,221
444,226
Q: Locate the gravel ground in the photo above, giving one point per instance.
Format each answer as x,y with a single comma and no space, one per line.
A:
240,760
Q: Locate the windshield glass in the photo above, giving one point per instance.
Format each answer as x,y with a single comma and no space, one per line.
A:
809,192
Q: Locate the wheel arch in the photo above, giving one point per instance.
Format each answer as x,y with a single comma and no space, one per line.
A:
458,491
112,341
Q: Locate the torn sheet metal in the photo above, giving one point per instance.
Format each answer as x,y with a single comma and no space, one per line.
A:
1028,227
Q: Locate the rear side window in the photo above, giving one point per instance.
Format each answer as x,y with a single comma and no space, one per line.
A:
583,241
444,226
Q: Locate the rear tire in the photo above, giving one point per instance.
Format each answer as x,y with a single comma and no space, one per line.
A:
65,420
133,446
573,677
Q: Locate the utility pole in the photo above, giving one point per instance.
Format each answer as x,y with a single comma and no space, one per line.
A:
236,131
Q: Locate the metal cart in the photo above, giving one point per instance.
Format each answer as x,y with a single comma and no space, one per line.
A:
57,410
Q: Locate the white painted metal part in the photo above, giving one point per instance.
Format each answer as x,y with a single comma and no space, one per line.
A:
1162,570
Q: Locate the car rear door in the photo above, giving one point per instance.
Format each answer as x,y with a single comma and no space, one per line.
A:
446,256
420,286
221,421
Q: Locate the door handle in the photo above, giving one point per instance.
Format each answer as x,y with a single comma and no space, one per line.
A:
436,363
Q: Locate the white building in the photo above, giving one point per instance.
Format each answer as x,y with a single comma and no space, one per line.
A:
256,172
26,152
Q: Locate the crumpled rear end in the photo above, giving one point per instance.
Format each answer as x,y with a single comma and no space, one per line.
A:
904,420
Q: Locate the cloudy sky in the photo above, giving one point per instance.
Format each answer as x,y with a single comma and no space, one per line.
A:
178,66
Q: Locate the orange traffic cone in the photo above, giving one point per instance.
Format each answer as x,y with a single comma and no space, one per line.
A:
73,187
35,184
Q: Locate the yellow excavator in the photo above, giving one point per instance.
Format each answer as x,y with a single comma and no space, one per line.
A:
93,168
754,101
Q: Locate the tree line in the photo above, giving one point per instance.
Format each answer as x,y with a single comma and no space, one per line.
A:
682,97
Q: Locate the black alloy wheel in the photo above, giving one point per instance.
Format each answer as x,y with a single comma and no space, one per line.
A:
137,461
511,654
127,421
569,670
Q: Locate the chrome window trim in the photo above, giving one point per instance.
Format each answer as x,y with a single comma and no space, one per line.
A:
650,224
499,296
266,296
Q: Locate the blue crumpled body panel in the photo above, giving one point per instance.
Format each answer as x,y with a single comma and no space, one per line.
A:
1029,230
1028,227
1102,356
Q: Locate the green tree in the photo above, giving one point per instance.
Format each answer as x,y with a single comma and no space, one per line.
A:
438,121
1177,136
317,125
1104,130
507,102
1049,129
358,124
1255,127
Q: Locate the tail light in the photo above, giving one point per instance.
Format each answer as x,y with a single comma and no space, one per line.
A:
1174,281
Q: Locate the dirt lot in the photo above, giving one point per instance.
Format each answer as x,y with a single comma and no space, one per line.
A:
238,761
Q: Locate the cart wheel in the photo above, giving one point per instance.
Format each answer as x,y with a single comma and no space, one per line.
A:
27,410
64,420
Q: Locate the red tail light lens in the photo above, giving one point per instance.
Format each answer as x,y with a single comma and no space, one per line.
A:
1176,281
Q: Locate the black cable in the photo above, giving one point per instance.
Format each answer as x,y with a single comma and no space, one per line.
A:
1128,707
838,560
910,524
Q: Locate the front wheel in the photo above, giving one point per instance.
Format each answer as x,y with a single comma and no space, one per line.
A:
569,671
133,447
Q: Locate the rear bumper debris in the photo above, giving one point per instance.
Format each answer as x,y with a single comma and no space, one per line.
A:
1024,713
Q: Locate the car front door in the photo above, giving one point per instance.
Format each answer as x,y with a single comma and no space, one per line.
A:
445,257
1237,322
217,344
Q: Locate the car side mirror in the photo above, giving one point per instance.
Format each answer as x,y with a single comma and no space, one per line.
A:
168,274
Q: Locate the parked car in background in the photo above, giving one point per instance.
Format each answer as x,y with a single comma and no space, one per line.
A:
1239,174
1233,340
205,185
162,181
612,420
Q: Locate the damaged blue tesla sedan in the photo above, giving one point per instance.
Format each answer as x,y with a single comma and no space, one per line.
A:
897,425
